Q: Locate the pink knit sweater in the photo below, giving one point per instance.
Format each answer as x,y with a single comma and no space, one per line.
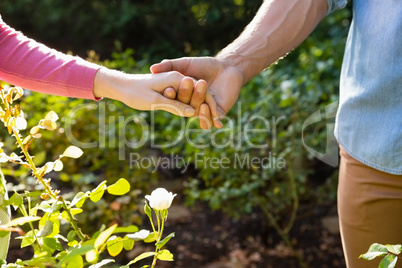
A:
31,65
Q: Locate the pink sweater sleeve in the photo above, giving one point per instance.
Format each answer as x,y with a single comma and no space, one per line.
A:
31,65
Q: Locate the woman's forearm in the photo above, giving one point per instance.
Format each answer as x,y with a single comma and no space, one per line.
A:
278,27
29,64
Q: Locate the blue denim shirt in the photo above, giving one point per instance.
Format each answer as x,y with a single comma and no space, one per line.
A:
369,118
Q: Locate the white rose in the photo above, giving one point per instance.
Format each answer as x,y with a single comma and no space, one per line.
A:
160,199
141,235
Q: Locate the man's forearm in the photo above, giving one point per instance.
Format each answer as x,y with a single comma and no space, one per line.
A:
278,27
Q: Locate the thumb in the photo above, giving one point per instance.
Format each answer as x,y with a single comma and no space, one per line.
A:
180,65
163,66
173,106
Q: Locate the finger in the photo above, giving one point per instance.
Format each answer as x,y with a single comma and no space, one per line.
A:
169,93
198,96
216,115
180,65
185,90
205,117
172,106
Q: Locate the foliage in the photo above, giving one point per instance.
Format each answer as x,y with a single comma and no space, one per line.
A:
47,211
155,29
136,34
390,253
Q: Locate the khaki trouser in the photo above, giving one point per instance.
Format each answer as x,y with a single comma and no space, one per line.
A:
370,210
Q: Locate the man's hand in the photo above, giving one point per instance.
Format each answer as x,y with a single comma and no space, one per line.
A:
224,83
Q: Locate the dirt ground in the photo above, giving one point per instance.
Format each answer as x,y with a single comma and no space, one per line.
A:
212,240
208,239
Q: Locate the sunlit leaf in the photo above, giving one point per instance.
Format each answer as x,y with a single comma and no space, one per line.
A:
121,187
395,249
388,261
75,251
28,239
58,165
101,263
374,251
76,261
141,257
97,193
49,167
115,246
51,116
20,123
77,198
47,229
47,124
148,210
72,152
91,256
163,242
128,229
128,244
34,130
165,255
101,239
22,221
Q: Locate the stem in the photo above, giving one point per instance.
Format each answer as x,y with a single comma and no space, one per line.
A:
72,220
284,235
32,165
295,200
161,225
46,187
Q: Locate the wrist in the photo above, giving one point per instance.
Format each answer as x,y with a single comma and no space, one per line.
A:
107,84
236,63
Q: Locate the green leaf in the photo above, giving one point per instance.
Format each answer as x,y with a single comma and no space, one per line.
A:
141,257
22,220
16,200
72,152
148,210
128,244
128,229
374,251
102,263
71,236
39,158
388,261
121,187
101,239
81,250
53,243
165,255
161,243
75,262
395,249
28,239
97,193
77,198
151,237
47,229
115,246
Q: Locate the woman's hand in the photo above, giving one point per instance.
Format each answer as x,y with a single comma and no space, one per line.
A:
145,91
